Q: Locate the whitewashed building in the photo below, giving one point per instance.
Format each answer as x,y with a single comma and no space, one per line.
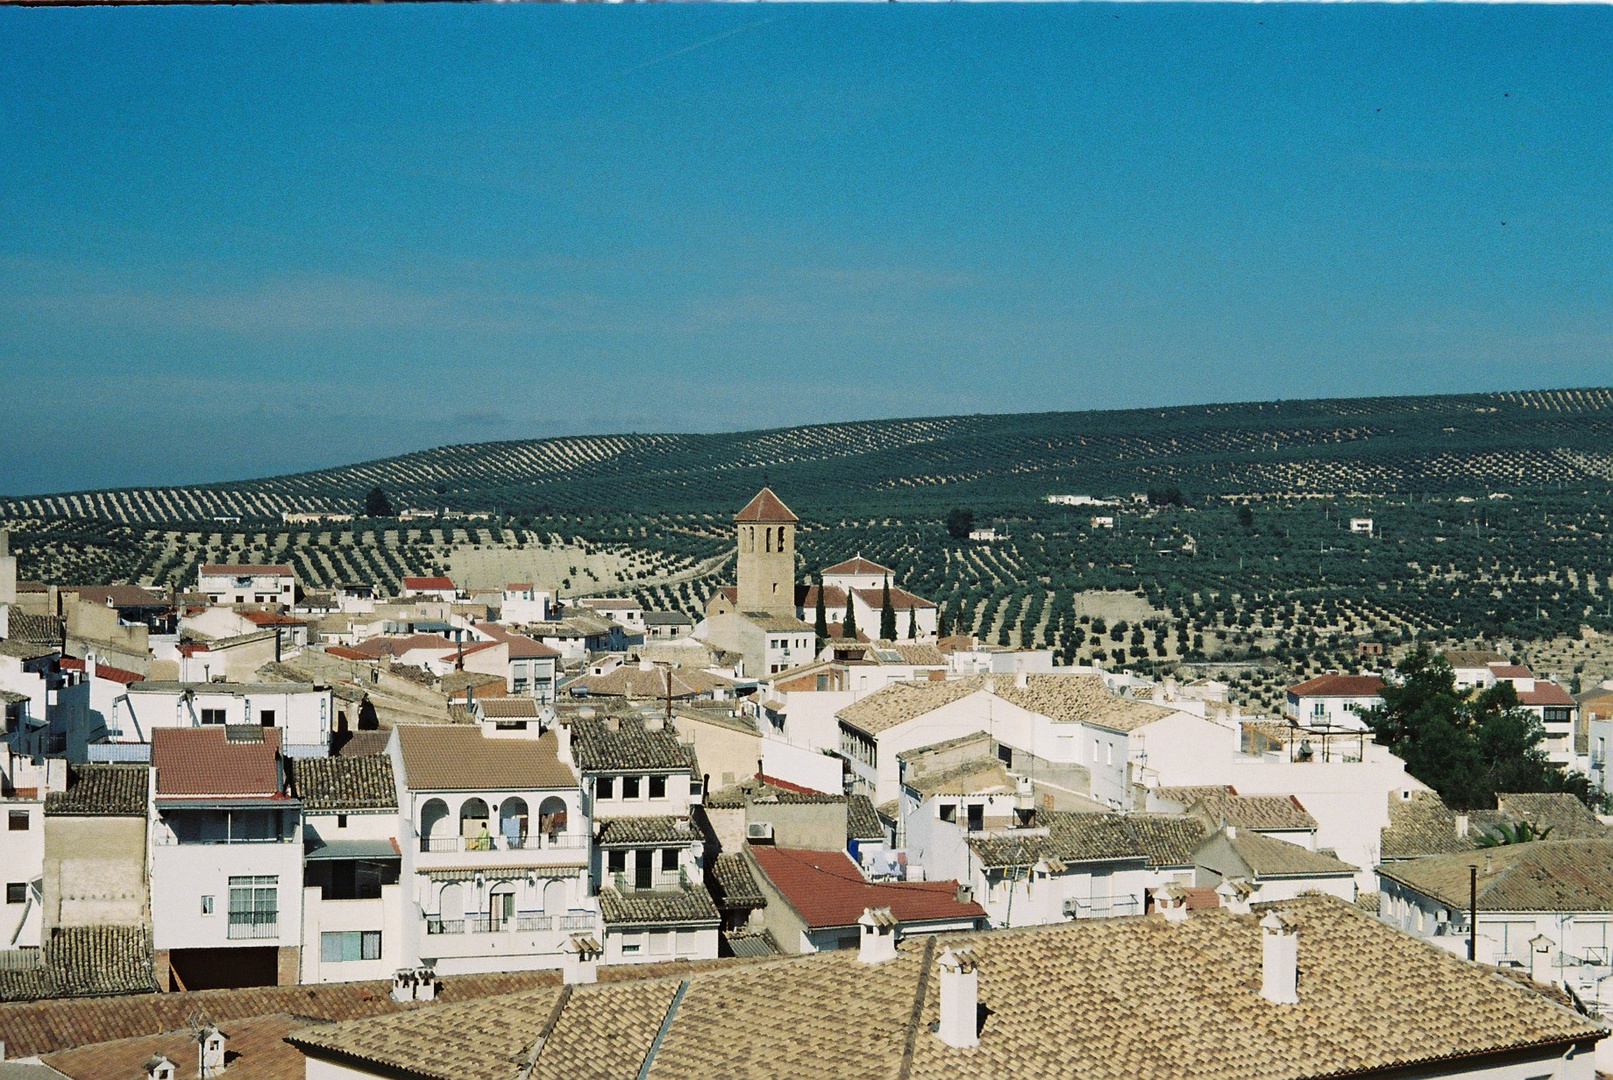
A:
247,583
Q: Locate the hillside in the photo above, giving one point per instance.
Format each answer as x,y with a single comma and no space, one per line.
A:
1429,444
1490,521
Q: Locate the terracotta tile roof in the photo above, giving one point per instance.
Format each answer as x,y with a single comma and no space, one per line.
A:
202,761
1101,999
826,889
750,943
1187,795
448,757
121,596
102,671
35,629
862,821
1339,686
1078,698
634,831
344,783
629,748
1473,658
1546,693
102,791
521,646
1422,825
43,1027
1166,839
362,743
1510,671
859,566
509,708
83,961
735,884
806,597
343,652
1567,817
256,1047
26,650
272,618
436,582
758,790
691,904
245,570
638,684
1262,813
375,647
766,620
1157,840
901,599
455,683
1542,875
898,702
766,507
1270,858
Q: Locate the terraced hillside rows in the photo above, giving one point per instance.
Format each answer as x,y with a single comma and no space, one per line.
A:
1383,445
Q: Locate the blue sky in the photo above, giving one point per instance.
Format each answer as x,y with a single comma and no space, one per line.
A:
239,241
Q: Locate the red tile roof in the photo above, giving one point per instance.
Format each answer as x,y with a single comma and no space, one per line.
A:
202,761
428,582
834,597
1338,686
1545,693
1510,671
858,565
103,671
345,653
901,599
767,507
271,618
245,570
375,647
826,889
521,646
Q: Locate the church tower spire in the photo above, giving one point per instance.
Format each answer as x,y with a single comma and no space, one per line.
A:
766,572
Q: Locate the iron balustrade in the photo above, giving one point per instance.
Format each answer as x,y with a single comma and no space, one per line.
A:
254,924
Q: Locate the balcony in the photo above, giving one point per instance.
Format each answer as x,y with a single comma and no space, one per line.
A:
525,921
1101,908
536,842
254,924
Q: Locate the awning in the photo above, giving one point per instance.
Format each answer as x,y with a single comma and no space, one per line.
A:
319,851
505,873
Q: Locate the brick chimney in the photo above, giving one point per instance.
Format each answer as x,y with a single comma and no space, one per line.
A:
1279,960
878,942
960,999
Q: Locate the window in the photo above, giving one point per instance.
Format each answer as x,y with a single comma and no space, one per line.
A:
1005,755
345,945
631,786
632,944
669,859
1319,711
207,905
657,787
949,811
605,787
254,906
17,821
616,862
1094,751
1109,753
266,718
341,821
16,892
212,716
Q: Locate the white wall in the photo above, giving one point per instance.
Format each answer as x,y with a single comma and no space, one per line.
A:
303,717
659,945
181,874
797,765
22,859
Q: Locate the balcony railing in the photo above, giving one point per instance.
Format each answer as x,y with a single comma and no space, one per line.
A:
1101,909
530,921
531,842
254,924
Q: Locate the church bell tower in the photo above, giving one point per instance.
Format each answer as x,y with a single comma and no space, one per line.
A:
766,573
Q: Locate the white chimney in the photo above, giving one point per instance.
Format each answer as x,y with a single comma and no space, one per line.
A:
654,722
878,942
403,984
1172,902
960,999
425,984
1461,825
645,664
210,1046
1022,679
581,963
1279,960
159,1067
1542,957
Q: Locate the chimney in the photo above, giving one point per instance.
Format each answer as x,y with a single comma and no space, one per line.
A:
1279,960
1542,958
645,664
403,981
1461,826
654,722
1021,679
960,999
210,1044
581,963
878,936
613,723
159,1067
963,894
425,984
1172,902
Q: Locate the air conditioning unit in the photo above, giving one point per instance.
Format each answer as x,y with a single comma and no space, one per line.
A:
759,830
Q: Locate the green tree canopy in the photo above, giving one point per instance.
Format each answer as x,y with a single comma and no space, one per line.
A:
849,627
960,521
820,616
377,505
887,613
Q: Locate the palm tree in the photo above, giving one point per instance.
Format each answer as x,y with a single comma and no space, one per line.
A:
1503,833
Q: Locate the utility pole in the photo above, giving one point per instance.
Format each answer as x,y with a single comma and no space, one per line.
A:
1473,912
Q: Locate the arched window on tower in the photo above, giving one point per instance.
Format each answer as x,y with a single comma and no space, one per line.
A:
769,533
750,539
781,538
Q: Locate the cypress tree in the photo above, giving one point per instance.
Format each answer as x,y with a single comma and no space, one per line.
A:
849,627
941,623
912,623
820,621
887,614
